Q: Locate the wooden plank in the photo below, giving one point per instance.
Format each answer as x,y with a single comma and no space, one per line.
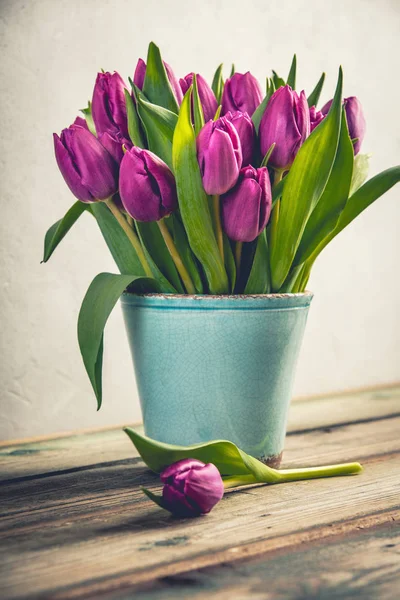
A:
91,531
85,449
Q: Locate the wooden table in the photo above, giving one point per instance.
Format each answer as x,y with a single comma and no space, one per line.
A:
74,523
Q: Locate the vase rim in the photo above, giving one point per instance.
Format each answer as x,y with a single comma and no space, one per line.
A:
205,297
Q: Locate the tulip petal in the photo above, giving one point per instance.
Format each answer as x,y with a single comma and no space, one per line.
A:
204,487
240,211
177,503
221,168
70,172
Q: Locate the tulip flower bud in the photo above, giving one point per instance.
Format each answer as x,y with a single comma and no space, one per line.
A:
114,144
246,208
80,122
191,488
246,132
108,105
285,122
241,92
219,155
316,116
140,73
146,186
355,120
88,169
207,97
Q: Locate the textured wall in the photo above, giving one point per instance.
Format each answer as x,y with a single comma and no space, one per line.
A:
51,51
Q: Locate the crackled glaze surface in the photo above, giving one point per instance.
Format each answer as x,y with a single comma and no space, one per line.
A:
216,367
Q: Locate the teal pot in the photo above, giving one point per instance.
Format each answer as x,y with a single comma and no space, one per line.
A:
217,367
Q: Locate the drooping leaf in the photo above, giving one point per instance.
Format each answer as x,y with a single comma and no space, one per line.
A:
117,241
156,250
217,85
133,122
159,124
197,108
97,305
185,252
360,171
60,229
259,281
278,81
325,215
313,98
156,86
291,80
303,188
193,202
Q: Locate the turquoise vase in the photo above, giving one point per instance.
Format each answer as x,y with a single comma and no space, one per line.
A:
217,367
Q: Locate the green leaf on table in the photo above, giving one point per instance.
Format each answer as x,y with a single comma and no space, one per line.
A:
278,81
97,305
193,201
156,86
197,108
182,245
291,80
325,215
87,112
303,188
60,229
159,124
313,98
133,122
259,281
360,171
161,263
217,85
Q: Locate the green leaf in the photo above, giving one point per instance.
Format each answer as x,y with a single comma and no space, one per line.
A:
60,229
360,171
266,158
291,80
259,281
217,113
87,112
193,201
258,113
159,124
97,305
313,98
133,122
156,86
117,241
155,498
325,215
159,257
233,70
197,108
278,81
182,245
303,188
217,85
230,265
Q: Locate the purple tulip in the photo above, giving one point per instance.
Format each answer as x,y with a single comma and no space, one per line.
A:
140,73
206,95
219,155
246,132
246,208
146,185
88,169
285,122
109,106
114,144
355,119
191,488
80,122
241,92
316,116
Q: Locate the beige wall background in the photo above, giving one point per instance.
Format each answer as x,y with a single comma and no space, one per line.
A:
51,51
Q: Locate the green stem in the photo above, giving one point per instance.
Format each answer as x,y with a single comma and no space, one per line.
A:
278,175
217,224
187,282
133,238
238,257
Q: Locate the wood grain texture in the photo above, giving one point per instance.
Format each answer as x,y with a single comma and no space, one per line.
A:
71,527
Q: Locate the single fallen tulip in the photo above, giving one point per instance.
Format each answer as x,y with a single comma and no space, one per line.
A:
219,155
316,116
140,74
247,134
146,186
207,97
191,488
87,167
109,106
246,208
241,92
355,120
286,123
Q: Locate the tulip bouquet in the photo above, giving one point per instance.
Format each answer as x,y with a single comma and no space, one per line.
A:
199,189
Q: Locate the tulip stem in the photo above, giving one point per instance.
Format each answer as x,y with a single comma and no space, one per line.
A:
238,257
187,282
278,174
133,238
217,225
